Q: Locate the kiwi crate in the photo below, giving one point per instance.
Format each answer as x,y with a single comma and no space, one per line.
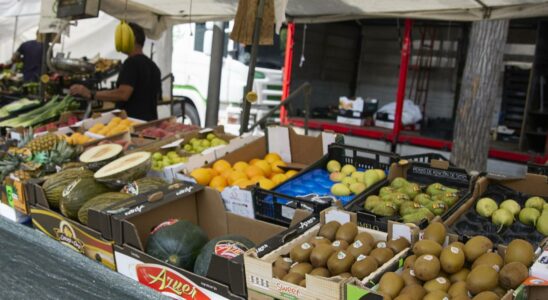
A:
310,189
471,223
423,174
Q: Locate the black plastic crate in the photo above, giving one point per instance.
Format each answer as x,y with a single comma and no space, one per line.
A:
470,223
537,169
426,157
278,207
424,175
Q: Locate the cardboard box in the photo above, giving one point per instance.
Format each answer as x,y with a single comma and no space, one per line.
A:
203,207
351,120
104,118
140,127
259,261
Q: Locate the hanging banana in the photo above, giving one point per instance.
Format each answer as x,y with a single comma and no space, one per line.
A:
124,40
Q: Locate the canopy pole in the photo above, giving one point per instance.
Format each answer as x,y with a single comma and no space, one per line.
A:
215,71
404,63
246,108
288,63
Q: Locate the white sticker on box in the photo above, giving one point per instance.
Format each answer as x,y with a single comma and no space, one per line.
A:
288,212
173,144
401,230
206,130
337,215
278,142
238,201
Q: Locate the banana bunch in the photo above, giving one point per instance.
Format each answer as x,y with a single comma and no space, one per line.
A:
124,39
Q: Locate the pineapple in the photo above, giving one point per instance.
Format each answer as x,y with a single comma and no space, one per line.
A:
43,143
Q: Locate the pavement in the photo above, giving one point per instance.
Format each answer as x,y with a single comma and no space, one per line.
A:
34,266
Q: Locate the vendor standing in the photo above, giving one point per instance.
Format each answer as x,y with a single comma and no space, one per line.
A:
30,53
139,83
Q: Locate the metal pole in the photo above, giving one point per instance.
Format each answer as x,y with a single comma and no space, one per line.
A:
246,108
404,63
288,63
215,70
46,39
15,34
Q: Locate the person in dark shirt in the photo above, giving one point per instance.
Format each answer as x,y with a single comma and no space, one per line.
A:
139,83
30,53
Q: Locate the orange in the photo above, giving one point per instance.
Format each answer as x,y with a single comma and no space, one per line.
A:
272,157
278,178
256,179
240,166
290,173
226,173
253,161
221,165
276,166
202,176
243,183
235,175
253,171
265,166
218,181
213,172
266,184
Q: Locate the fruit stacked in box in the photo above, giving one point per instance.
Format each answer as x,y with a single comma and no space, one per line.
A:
197,145
165,129
503,214
115,126
267,172
440,269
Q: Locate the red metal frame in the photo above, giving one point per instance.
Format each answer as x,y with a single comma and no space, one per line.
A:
404,63
288,63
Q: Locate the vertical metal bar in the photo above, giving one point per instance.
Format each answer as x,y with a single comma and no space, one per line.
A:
246,108
404,63
307,109
288,63
15,33
215,71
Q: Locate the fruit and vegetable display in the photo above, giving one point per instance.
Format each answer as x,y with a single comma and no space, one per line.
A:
348,180
470,270
196,145
166,129
266,172
51,109
410,201
16,106
160,161
503,214
54,126
336,251
115,126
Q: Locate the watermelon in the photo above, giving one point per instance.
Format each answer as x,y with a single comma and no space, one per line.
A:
100,202
98,156
144,185
125,169
55,184
77,193
227,246
177,242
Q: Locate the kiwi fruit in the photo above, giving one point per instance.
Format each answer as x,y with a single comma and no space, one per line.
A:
408,276
384,296
435,232
329,230
398,245
403,297
347,232
303,283
501,292
461,297
458,288
491,259
301,252
318,240
294,278
409,261
452,259
482,278
364,266
426,267
427,247
301,268
283,263
358,248
416,292
487,295
365,238
512,275
278,272
320,255
339,245
460,275
437,284
521,251
323,272
382,255
340,262
345,275
477,246
458,245
436,295
391,284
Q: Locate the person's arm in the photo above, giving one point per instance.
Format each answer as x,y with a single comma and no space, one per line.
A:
16,57
120,94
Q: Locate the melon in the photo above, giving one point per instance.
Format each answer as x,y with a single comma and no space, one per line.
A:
144,185
55,184
98,156
177,242
99,203
125,169
77,193
227,246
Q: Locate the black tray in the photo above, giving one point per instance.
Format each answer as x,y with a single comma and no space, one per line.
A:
278,208
424,175
426,157
471,223
537,169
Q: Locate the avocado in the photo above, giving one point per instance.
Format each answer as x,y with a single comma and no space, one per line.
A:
426,267
329,230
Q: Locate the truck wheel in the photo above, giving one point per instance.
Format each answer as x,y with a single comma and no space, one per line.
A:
191,114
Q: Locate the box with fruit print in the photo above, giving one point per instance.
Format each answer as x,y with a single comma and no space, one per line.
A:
441,267
315,259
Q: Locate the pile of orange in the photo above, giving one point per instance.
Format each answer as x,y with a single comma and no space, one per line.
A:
265,172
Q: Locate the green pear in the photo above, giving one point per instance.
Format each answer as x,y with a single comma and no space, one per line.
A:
210,136
348,181
409,207
348,169
398,182
529,216
371,177
371,201
437,207
485,207
542,224
423,199
511,206
340,189
333,166
385,190
359,176
336,176
206,143
417,217
380,173
535,202
386,209
357,188
411,190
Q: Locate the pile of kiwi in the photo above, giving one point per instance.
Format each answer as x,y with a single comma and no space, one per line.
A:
458,271
337,250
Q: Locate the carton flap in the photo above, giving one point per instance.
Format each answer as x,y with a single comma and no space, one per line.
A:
255,230
211,214
278,142
305,149
300,215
